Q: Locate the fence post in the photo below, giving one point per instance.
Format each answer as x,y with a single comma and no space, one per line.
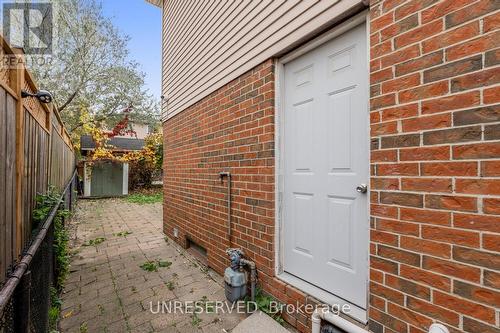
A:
18,86
22,311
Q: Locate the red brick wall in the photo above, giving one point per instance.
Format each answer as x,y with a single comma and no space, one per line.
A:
230,130
435,216
435,226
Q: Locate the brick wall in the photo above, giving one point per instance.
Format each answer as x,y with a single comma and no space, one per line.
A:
435,126
230,130
435,216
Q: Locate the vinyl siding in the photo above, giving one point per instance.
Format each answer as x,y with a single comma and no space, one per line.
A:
206,44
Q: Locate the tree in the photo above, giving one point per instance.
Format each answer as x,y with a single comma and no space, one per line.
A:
143,164
90,70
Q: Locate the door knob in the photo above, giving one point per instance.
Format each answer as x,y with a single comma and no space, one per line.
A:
362,188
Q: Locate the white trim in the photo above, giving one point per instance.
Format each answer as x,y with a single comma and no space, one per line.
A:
125,178
357,313
329,35
86,180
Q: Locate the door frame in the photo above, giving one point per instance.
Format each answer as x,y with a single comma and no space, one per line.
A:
358,313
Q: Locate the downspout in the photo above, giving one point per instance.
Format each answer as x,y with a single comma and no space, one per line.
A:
323,314
221,176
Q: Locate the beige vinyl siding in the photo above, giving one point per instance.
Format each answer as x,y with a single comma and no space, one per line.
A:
208,43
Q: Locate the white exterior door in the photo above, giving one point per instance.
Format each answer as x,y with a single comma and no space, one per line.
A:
325,220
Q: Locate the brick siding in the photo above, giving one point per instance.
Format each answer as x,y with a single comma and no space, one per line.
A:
232,129
435,224
435,165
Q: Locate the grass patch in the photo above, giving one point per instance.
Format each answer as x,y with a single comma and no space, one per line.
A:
144,199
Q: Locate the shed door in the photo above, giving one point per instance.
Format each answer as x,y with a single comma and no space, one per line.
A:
107,179
325,158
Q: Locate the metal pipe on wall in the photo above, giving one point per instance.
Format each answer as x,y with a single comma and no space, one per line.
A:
221,176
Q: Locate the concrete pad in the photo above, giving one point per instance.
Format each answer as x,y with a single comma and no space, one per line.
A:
259,322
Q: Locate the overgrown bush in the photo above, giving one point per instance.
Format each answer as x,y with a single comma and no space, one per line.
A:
140,173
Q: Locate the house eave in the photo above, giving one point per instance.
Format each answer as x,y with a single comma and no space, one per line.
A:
157,3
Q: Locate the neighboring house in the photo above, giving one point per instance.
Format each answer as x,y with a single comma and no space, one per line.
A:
363,146
139,131
107,178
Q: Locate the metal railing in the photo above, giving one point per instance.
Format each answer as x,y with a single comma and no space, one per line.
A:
25,295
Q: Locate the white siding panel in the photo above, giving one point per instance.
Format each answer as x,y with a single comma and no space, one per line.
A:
208,43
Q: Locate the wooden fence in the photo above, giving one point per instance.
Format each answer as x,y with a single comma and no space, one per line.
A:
35,152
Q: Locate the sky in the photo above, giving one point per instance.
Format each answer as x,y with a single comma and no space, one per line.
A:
141,21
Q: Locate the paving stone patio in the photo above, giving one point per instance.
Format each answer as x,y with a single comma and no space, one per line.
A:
108,291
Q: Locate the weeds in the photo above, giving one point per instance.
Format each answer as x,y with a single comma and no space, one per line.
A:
195,320
164,263
44,204
152,266
95,242
123,233
55,308
264,304
209,306
84,328
170,285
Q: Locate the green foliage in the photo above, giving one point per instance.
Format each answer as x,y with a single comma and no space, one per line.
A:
263,302
143,199
164,263
170,285
123,233
44,204
55,308
84,328
209,306
61,248
94,242
159,156
152,266
195,320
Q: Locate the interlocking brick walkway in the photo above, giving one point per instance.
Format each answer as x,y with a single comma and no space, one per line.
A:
108,291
